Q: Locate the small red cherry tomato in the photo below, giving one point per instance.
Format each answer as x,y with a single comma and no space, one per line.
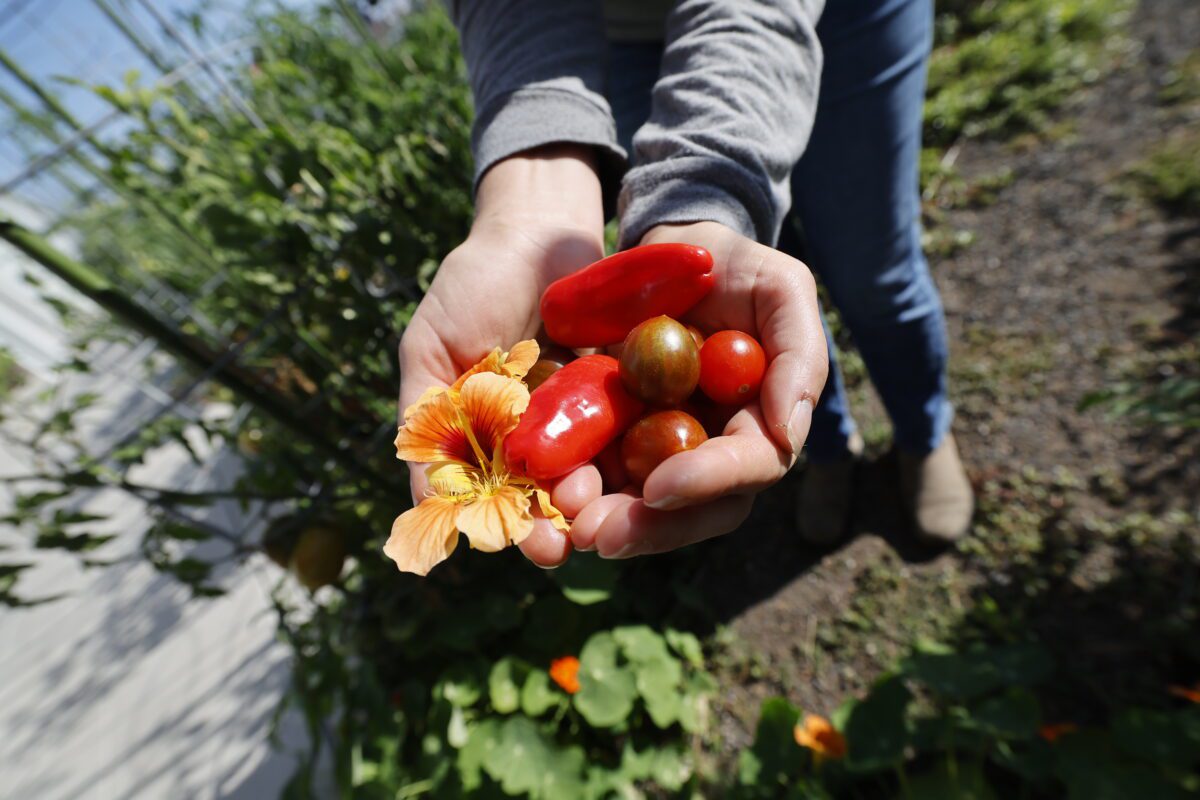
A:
656,437
732,365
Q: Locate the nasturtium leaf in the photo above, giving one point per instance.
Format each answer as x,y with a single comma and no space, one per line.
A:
693,711
457,731
504,684
774,758
876,729
462,684
668,766
483,738
962,676
686,645
1092,767
1014,714
527,761
641,643
658,684
1159,737
606,690
586,579
538,695
940,782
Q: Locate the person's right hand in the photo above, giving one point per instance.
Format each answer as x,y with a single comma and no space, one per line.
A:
539,216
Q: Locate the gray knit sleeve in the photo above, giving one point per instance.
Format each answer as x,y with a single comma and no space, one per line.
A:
537,76
732,112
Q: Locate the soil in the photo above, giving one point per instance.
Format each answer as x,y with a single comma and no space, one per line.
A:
1071,278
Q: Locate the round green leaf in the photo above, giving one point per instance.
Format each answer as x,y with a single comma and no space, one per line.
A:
606,690
538,695
504,684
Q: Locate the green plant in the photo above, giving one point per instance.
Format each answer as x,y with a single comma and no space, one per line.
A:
969,724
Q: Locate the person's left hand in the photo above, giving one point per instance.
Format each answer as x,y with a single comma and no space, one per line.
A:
709,491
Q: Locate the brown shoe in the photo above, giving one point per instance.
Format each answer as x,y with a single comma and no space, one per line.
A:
825,493
937,493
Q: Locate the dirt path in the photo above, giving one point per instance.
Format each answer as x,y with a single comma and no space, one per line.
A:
1071,275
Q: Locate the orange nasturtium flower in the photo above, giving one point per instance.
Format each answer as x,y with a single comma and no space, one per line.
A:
818,734
565,672
459,432
1052,732
1191,694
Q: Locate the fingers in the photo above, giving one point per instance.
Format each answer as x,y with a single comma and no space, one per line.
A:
744,460
589,520
571,493
630,528
789,321
546,546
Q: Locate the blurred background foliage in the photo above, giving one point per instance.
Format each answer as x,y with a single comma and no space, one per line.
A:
324,212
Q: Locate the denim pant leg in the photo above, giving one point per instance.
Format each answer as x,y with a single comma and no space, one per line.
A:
856,199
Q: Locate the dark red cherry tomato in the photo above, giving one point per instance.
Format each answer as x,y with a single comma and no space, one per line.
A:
603,302
655,438
732,365
571,417
540,371
697,336
660,363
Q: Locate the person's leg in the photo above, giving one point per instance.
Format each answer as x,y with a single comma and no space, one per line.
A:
832,434
856,197
855,194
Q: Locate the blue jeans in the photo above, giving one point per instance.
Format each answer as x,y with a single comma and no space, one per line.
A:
855,217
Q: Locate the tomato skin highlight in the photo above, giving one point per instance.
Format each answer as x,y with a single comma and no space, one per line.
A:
660,363
656,437
732,366
603,302
571,417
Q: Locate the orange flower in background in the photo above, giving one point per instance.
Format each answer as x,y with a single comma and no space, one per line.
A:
1055,730
1190,694
565,672
459,431
818,734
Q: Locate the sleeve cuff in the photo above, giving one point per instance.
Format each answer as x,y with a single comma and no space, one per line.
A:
695,189
535,116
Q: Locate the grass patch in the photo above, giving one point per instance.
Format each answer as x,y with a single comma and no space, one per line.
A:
998,67
1170,176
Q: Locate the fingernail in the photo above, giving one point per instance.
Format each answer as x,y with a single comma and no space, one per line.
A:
624,552
589,549
668,503
799,423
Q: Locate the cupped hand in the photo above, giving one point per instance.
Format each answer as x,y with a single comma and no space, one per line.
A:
709,491
538,218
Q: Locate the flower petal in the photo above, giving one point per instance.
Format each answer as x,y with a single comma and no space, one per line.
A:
434,432
522,356
550,512
494,522
449,479
489,363
426,396
493,404
515,363
423,537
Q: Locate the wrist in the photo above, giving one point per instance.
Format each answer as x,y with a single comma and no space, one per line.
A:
556,185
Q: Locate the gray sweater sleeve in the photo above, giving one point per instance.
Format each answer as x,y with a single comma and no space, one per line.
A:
732,112
537,76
